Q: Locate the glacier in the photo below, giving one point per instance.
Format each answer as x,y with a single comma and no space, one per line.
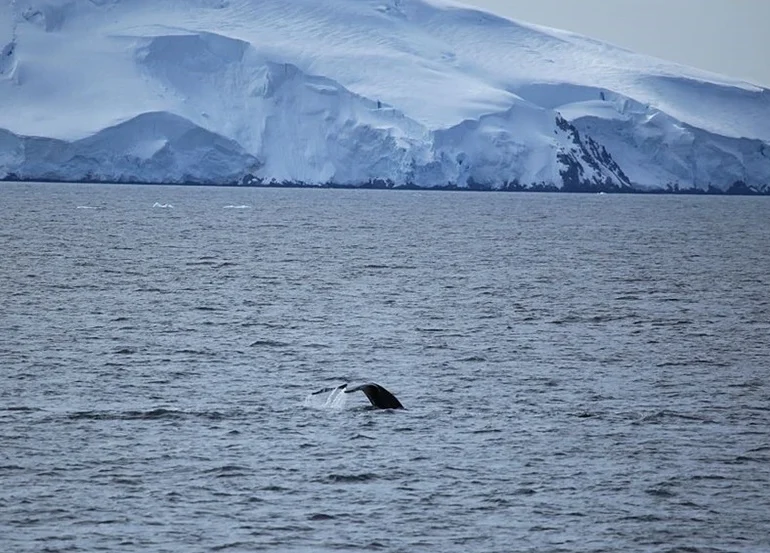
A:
386,93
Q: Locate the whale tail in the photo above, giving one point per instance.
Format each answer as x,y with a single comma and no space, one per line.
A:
378,396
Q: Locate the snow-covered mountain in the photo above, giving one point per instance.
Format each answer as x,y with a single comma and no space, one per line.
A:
423,93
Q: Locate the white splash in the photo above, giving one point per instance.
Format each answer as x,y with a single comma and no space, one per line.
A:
334,399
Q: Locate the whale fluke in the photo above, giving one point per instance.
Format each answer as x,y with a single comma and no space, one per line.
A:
377,395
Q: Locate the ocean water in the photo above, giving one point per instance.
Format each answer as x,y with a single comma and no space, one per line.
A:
581,373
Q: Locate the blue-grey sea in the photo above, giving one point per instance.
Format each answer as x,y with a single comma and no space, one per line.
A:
581,373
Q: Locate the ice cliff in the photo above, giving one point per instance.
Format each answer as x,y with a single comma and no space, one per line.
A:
425,93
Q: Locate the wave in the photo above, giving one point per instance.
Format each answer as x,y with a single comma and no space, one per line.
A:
662,416
159,413
350,478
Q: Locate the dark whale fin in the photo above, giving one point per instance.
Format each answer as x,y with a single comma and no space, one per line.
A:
377,395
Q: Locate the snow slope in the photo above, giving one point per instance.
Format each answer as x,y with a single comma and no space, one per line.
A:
355,92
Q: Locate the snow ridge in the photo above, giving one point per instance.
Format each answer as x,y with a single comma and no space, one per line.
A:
420,93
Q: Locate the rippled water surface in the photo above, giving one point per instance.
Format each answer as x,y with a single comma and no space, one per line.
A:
581,372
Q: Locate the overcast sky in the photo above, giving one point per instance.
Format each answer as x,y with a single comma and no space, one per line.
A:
731,37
